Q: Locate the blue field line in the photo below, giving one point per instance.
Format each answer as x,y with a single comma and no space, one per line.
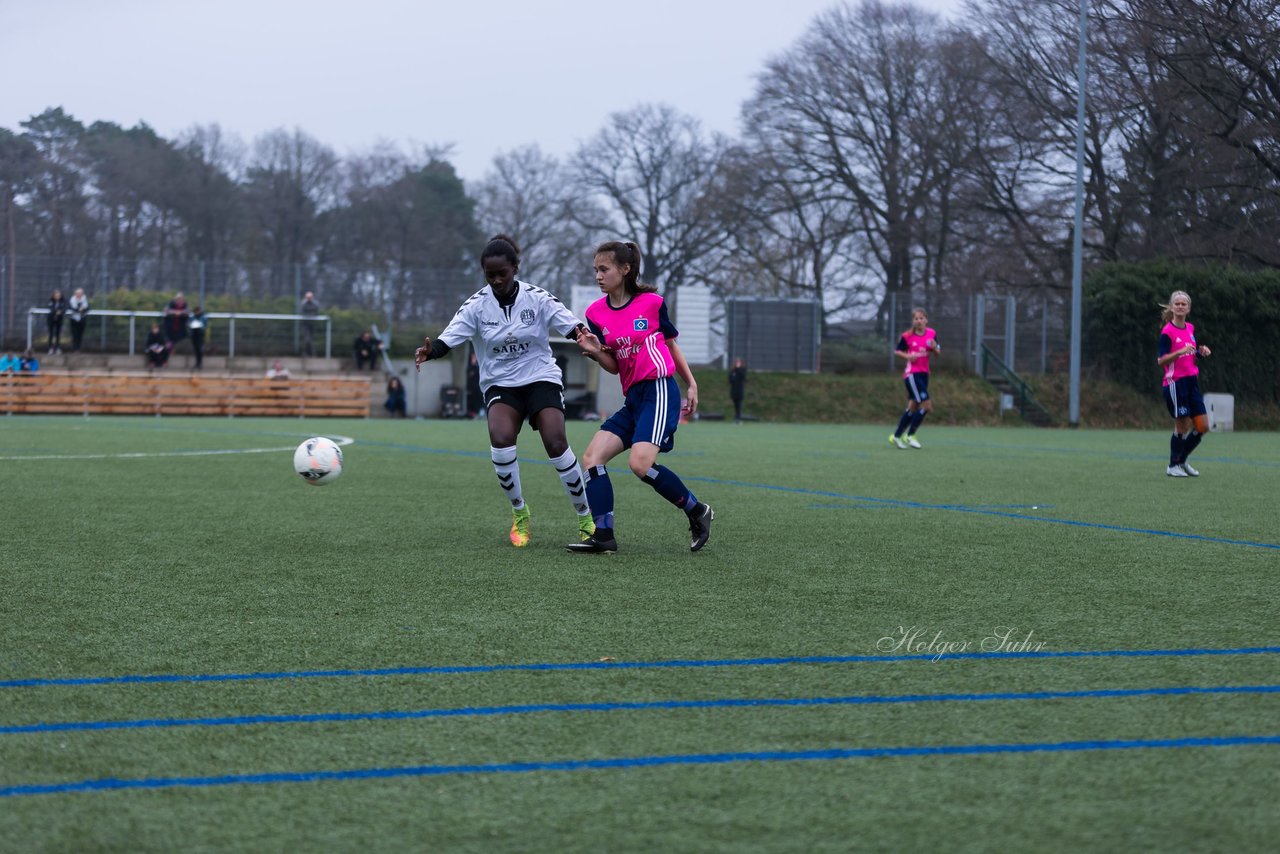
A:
117,784
724,703
447,669
980,510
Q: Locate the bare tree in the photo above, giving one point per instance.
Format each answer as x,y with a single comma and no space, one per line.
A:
852,113
529,195
291,179
647,176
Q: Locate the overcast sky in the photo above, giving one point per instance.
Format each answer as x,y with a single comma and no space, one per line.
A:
483,75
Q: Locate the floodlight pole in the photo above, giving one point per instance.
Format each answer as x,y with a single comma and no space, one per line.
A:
1077,237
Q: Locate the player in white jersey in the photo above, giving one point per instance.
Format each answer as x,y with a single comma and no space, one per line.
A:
510,323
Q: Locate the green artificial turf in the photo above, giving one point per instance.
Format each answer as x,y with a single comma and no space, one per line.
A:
187,548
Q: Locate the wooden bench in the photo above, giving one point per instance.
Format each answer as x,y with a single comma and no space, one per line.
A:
182,394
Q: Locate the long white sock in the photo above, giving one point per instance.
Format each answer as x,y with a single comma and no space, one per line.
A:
571,477
507,468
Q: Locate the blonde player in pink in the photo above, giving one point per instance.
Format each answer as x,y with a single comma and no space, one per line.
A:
1176,355
914,348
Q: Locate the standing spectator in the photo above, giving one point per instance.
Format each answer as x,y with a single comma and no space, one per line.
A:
630,334
310,309
395,398
511,321
1177,350
914,348
198,326
57,310
79,313
366,349
176,318
157,347
737,388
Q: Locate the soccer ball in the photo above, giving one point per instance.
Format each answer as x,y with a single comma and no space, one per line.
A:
318,460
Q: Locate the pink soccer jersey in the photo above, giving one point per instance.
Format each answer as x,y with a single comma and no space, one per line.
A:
637,335
913,343
1183,366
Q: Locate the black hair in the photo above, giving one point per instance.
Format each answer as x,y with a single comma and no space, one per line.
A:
627,254
501,246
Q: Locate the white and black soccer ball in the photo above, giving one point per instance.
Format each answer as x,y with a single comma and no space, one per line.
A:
318,460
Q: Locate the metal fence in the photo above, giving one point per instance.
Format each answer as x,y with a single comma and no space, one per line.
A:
117,326
399,295
1029,333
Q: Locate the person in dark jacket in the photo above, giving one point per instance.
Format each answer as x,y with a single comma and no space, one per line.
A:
395,398
737,387
157,347
176,318
366,349
57,311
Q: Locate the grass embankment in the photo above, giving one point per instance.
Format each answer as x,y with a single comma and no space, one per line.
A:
960,399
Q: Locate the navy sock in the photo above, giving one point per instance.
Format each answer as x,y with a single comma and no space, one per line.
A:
1176,453
668,484
903,422
917,421
599,496
1190,442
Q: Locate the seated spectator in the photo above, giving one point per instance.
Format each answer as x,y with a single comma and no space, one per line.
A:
395,398
10,363
278,371
30,364
366,349
156,348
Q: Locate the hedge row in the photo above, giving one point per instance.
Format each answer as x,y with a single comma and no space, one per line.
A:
1235,312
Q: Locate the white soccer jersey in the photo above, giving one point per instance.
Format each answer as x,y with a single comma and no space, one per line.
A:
512,343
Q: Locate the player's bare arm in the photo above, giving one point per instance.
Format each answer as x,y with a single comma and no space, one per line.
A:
591,347
682,368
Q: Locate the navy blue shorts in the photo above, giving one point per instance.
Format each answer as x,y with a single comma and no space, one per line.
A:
1183,399
917,387
650,413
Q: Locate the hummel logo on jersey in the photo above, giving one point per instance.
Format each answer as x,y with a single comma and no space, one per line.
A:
490,323
641,324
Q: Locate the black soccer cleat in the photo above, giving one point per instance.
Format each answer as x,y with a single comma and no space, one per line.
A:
599,543
700,527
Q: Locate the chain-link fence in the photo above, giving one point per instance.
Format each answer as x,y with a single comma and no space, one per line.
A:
1029,333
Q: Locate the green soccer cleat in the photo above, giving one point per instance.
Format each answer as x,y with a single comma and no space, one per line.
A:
896,442
520,527
586,527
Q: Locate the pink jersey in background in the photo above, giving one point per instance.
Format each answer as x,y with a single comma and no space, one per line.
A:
1183,366
913,343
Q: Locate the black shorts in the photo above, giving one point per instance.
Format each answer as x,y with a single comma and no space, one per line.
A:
1183,399
527,400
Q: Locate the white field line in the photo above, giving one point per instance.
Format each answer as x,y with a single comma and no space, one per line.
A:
142,455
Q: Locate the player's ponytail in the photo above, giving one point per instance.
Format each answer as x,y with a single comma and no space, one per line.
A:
501,246
1166,313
